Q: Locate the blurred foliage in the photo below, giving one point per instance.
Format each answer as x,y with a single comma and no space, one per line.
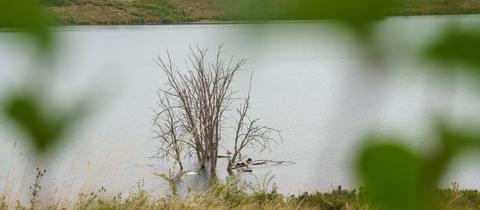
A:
356,14
43,127
392,175
458,46
27,16
41,122
395,177
398,178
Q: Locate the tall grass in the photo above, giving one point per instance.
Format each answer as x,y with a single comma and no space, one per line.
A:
232,193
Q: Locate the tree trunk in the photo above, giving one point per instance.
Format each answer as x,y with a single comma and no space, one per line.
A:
230,166
213,162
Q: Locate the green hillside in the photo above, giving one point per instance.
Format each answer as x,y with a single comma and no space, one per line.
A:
109,12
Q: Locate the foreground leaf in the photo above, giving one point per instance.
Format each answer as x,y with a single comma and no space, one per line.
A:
392,176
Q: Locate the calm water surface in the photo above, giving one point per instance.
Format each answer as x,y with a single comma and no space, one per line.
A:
310,82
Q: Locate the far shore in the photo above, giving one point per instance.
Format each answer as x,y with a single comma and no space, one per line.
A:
178,12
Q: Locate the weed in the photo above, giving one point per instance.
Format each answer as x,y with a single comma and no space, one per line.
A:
36,187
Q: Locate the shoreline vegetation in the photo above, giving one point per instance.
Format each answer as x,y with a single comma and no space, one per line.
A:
157,12
231,194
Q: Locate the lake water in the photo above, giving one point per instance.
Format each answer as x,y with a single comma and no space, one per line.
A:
309,81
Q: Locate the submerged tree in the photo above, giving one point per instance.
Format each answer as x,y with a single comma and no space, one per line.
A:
193,106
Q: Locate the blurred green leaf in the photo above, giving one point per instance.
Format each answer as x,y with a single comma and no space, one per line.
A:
392,175
44,128
459,139
399,179
28,16
458,47
357,14
453,141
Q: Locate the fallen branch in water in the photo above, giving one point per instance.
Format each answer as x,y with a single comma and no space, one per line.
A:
244,165
276,162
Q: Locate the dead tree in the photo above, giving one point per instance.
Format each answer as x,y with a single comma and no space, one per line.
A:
193,107
199,97
249,133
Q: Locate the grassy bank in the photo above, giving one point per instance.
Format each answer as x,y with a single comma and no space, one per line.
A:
231,195
122,12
